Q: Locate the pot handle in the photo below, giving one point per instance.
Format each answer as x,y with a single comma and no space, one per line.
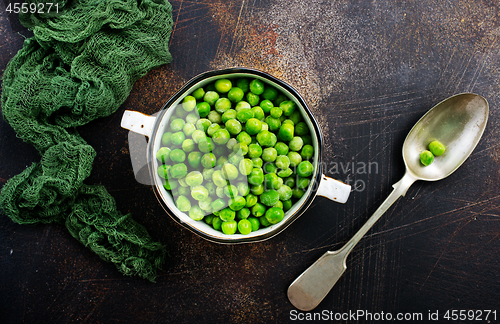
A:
138,122
140,127
333,189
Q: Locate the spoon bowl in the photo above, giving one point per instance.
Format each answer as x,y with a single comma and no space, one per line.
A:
458,122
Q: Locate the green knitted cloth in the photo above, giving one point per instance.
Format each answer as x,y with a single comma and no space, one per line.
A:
80,65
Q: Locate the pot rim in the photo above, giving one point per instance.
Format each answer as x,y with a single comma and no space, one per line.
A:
316,179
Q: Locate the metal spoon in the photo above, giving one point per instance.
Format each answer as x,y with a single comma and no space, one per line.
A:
458,122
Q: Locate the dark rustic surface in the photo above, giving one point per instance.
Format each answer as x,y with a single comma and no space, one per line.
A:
369,70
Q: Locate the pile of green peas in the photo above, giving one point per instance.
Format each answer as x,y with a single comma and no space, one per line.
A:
236,155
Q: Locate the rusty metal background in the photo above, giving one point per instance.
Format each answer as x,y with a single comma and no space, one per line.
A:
369,70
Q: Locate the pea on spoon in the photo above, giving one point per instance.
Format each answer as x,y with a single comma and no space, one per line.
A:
458,122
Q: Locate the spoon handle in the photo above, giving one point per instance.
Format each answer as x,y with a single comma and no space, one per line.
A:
311,287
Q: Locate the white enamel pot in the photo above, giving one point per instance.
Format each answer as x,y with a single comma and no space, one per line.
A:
145,164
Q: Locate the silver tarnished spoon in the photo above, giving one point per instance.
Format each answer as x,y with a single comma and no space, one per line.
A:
458,122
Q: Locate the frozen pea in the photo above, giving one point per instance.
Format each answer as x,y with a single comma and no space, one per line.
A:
231,143
305,169
198,93
229,171
437,148
223,85
199,192
214,117
258,112
202,124
177,124
222,105
269,154
244,227
229,227
166,138
235,94
238,203
245,166
307,152
229,114
208,160
203,109
285,173
178,170
257,162
274,215
163,171
258,210
211,97
177,138
198,135
281,148
233,126
426,157
288,107
218,204
188,103
188,145
163,154
270,167
243,213
218,179
266,106
227,214
282,162
256,86
243,84
251,200
294,158
254,151
243,188
183,203
194,178
217,223
242,105
244,115
212,129
257,189
253,99
269,197
296,144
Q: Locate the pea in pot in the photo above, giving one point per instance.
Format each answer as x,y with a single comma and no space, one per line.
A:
189,202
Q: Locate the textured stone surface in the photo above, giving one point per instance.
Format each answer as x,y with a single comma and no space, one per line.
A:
368,70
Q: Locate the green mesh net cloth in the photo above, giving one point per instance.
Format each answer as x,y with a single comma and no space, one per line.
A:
80,65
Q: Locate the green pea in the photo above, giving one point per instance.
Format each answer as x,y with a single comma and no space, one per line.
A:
307,152
257,189
194,178
233,126
301,129
177,138
211,97
256,177
276,112
302,183
243,84
206,204
286,133
198,135
279,99
285,173
285,193
229,227
244,138
208,160
287,121
290,181
282,162
287,204
189,103
198,93
296,144
255,223
269,154
163,171
229,171
256,86
214,117
274,215
244,115
219,191
270,167
305,169
253,99
227,214
426,157
245,166
288,107
266,106
437,148
238,203
188,145
163,154
177,155
203,124
203,109
272,181
205,145
178,170
251,200
243,213
218,179
258,112
209,218
222,105
244,227
297,193
235,94
183,203
296,117
208,172
212,129
253,126
269,197
266,138
221,136
270,93
231,143
274,123
294,158
254,151
177,124
258,210
199,192
229,114
166,138
257,162
243,188
223,85
217,223
281,148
